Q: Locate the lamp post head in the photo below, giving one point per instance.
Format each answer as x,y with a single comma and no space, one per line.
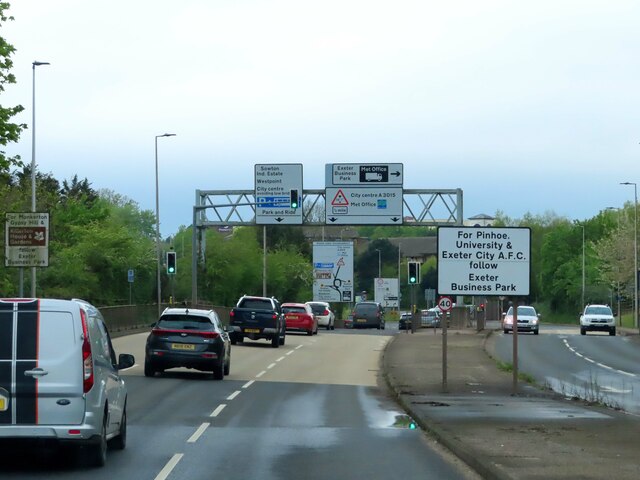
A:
166,135
37,64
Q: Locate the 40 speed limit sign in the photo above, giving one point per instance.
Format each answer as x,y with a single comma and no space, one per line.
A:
445,304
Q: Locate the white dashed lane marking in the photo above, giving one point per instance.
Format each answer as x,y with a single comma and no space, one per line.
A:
198,433
218,410
171,464
248,384
622,372
233,395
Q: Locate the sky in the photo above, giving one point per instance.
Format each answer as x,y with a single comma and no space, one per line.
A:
528,107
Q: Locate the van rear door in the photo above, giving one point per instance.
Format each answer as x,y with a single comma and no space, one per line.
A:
42,366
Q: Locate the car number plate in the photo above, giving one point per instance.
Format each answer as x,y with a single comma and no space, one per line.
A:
252,330
361,320
183,346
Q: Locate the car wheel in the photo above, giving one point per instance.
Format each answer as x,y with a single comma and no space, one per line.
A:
333,326
506,331
227,366
120,442
149,371
218,371
583,331
275,341
310,332
612,332
536,332
233,339
329,326
98,453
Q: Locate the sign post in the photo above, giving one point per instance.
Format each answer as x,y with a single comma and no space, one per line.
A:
486,261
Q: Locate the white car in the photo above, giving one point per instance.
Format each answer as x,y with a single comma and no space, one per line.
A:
528,320
598,318
60,380
324,314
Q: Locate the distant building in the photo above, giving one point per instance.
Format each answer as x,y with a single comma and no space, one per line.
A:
481,220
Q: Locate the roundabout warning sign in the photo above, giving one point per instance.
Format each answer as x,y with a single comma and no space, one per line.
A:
484,261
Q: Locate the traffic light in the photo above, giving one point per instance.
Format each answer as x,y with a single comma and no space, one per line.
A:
171,263
294,201
414,273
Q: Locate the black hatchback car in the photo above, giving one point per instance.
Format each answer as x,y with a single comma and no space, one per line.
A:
368,314
190,338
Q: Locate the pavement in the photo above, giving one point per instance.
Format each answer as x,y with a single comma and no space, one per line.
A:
532,434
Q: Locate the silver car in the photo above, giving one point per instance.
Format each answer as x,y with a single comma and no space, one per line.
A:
59,377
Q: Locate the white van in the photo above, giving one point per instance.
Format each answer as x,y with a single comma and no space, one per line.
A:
59,378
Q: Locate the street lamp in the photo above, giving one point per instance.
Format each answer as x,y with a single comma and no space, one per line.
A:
617,210
635,251
158,223
33,163
379,263
583,269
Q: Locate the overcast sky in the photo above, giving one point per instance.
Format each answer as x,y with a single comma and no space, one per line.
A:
526,106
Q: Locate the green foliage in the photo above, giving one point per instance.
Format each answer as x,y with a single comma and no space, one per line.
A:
9,131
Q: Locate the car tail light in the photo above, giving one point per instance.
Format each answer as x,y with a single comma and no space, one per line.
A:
274,316
87,358
325,313
209,334
232,313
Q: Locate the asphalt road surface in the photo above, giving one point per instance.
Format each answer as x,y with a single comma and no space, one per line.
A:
595,367
311,409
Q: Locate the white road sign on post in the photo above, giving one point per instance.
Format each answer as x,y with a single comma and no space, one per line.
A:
26,240
333,271
484,261
366,174
275,186
386,292
363,206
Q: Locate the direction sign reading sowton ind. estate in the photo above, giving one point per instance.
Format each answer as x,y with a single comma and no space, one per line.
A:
274,186
484,261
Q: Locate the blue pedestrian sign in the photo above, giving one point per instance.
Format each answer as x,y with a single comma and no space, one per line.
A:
130,275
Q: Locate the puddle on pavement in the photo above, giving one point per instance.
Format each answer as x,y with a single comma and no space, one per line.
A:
404,421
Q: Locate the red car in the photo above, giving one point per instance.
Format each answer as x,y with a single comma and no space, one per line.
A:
299,317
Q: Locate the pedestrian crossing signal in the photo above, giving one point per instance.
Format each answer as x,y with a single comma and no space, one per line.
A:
414,273
294,200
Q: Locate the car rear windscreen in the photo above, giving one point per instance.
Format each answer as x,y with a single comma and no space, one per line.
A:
317,308
256,304
366,308
185,322
293,310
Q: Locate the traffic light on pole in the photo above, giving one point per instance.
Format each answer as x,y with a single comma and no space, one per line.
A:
294,201
171,263
414,273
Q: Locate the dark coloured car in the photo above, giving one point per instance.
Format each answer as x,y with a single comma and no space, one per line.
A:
368,315
405,321
189,338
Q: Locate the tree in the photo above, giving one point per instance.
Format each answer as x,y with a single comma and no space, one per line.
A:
9,132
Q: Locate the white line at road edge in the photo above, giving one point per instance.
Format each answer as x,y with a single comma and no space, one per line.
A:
198,433
217,411
248,384
596,363
233,395
164,473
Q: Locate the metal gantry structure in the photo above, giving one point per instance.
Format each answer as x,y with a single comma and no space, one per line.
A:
215,208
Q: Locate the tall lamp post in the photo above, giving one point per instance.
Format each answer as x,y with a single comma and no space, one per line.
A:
617,210
379,263
33,163
635,252
158,253
583,269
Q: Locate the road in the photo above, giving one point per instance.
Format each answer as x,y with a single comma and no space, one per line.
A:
595,367
311,409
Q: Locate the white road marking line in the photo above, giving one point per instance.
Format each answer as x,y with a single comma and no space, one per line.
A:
289,353
198,433
271,366
248,384
233,395
299,346
280,359
260,374
597,363
218,410
164,473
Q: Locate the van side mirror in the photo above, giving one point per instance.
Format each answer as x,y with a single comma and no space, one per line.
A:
125,360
